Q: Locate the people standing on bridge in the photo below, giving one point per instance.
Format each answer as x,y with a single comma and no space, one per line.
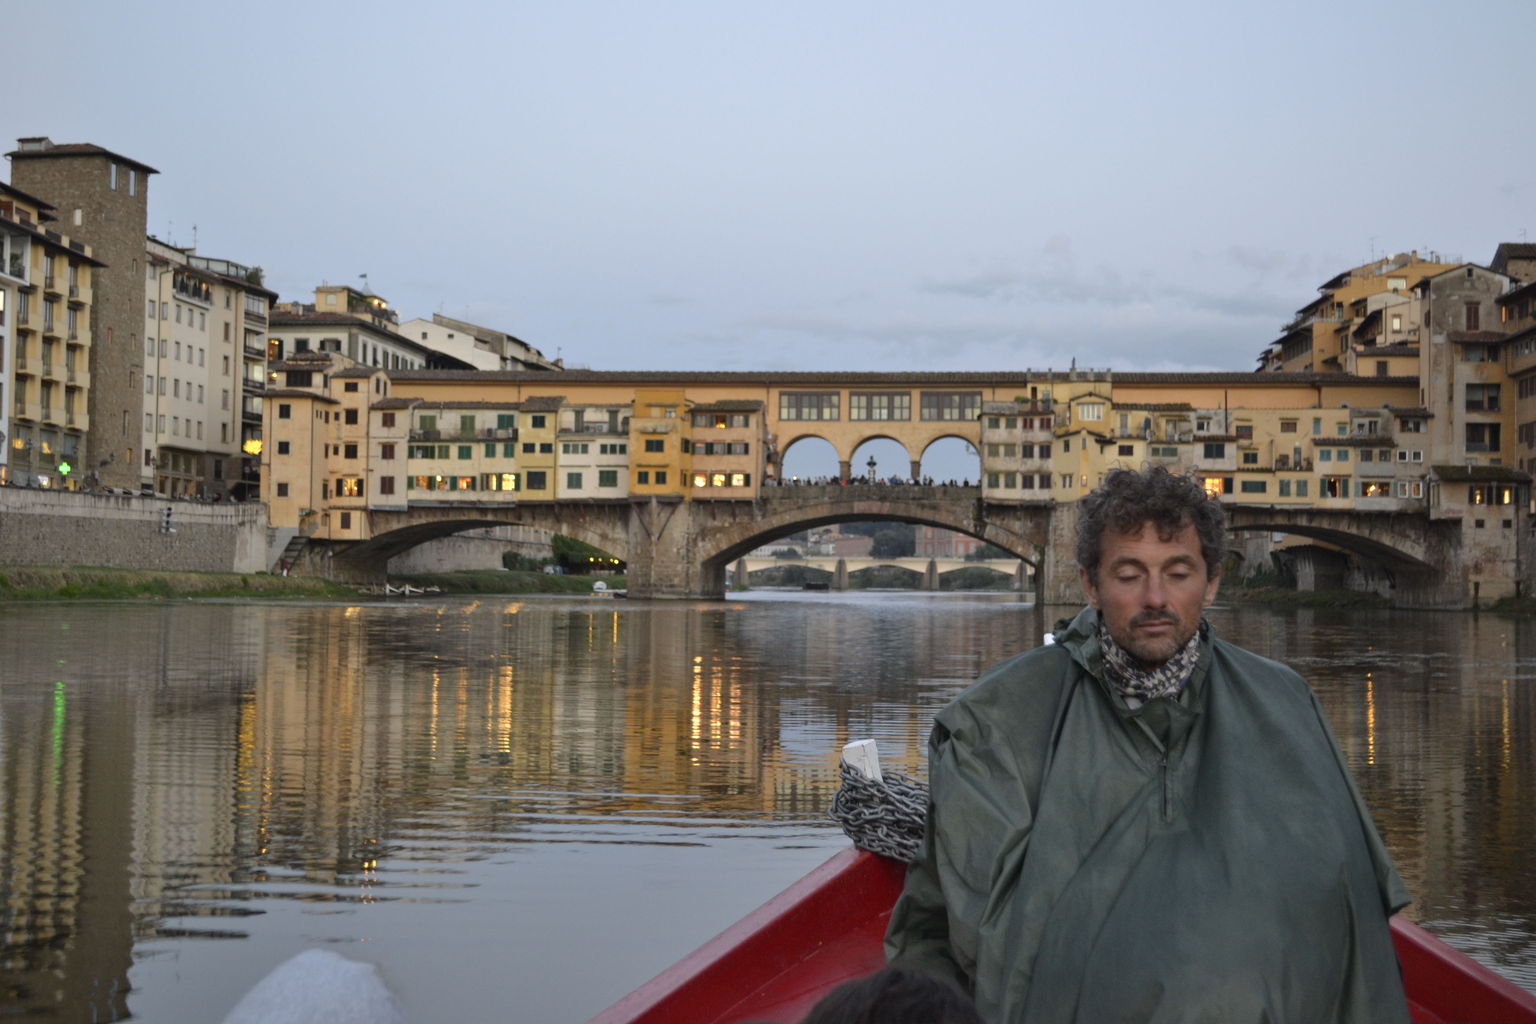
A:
1142,822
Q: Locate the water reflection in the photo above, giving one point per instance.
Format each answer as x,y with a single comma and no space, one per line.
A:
565,795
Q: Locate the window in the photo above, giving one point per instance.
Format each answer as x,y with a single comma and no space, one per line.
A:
349,487
282,490
573,481
1381,368
573,448
1245,431
1474,316
1482,437
1482,398
1287,426
349,451
386,485
661,476
537,480
1397,321
350,416
1317,425
1254,486
613,449
808,405
350,385
881,405
1250,458
387,452
282,448
1215,450
1325,455
655,445
1090,410
284,411
643,477
546,447
1284,488
1366,455
607,478
466,451
387,419
537,423
1125,449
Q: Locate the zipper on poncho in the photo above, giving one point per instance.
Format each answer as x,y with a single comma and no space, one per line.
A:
1167,790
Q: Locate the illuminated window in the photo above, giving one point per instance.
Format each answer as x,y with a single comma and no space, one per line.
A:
350,487
700,480
717,480
738,479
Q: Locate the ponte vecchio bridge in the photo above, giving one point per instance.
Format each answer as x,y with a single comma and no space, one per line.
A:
682,474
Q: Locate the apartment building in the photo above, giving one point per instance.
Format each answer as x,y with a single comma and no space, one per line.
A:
102,197
47,292
1324,334
352,322
483,348
594,450
204,369
728,449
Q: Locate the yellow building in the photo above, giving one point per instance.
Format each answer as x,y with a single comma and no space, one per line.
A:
1355,312
661,443
45,346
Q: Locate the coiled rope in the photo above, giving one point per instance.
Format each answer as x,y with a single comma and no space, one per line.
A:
884,817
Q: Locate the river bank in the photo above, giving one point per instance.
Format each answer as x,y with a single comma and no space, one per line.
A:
88,583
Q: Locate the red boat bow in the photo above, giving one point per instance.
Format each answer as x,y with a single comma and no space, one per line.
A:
775,963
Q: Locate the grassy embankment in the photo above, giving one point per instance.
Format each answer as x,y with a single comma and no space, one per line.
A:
48,583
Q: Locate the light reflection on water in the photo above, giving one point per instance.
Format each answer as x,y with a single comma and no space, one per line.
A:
535,804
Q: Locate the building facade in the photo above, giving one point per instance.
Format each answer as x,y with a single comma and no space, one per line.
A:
102,196
46,352
483,348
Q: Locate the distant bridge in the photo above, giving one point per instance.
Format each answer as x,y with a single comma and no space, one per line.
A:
839,566
677,548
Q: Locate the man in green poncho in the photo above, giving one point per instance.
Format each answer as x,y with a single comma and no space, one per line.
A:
1143,823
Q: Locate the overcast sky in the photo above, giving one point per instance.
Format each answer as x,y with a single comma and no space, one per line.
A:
830,186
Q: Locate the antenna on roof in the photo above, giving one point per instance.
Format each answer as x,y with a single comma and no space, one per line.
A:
194,236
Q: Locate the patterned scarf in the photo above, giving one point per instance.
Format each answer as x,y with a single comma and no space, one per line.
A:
1137,685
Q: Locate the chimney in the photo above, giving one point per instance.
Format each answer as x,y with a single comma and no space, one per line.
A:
34,144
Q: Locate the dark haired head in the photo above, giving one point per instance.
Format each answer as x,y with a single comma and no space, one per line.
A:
894,996
1128,498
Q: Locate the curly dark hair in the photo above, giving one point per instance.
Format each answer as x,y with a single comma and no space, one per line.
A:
1128,498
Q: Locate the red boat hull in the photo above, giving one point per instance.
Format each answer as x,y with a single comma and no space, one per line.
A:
775,963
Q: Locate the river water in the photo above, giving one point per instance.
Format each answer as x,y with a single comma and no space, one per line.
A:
519,809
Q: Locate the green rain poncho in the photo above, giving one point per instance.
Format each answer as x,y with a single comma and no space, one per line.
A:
1201,859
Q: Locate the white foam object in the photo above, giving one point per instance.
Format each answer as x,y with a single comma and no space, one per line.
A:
863,757
319,987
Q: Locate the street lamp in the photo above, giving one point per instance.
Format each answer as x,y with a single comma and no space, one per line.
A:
871,465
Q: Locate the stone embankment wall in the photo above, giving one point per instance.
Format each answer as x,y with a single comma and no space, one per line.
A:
123,531
473,549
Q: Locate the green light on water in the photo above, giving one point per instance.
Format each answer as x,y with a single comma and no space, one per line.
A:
60,705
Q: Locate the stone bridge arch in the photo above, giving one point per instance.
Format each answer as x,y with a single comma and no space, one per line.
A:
1413,550
1022,531
604,526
